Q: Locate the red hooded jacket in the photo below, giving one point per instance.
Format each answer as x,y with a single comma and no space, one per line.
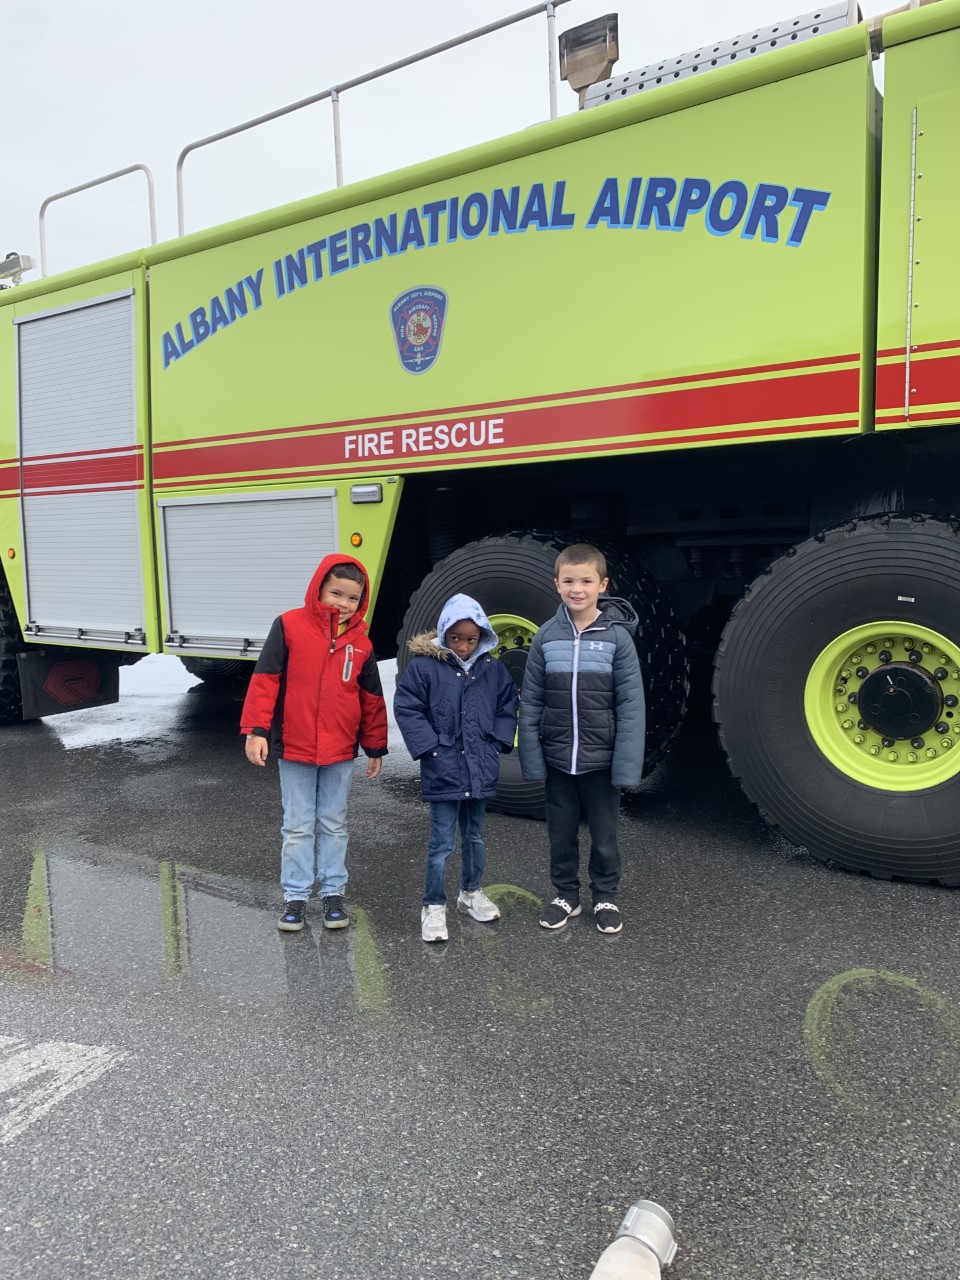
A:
316,694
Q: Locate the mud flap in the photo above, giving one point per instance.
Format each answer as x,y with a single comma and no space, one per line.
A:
56,680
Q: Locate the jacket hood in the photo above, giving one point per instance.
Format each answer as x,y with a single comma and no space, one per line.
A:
612,609
312,598
458,609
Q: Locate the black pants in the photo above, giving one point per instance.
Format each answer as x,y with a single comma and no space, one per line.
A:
570,799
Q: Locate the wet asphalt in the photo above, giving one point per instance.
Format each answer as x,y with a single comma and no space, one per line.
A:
771,1049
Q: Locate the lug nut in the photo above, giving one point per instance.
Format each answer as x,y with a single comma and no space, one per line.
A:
852,698
941,727
927,648
885,655
862,673
930,753
893,756
909,644
912,757
917,743
847,724
841,707
887,742
871,648
951,700
859,739
940,673
874,750
915,655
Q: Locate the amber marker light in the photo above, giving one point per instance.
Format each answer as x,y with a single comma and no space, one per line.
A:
11,554
356,540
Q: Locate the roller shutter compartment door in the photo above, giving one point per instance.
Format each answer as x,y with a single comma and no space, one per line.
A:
81,473
232,564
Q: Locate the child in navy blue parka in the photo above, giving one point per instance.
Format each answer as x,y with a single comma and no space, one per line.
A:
456,707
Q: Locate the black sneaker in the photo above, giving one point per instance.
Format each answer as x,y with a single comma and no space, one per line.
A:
607,916
556,915
334,916
294,916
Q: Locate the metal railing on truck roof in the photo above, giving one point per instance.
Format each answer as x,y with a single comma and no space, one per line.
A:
334,93
828,18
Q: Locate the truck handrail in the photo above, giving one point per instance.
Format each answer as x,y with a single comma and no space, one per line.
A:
334,92
97,182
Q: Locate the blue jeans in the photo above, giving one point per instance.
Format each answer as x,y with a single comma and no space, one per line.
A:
445,817
314,827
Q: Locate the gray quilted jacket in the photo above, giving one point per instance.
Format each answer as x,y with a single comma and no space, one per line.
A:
581,705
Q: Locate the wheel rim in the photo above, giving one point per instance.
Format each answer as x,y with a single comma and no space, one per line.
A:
882,703
514,634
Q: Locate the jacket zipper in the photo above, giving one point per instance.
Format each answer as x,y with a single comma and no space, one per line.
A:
574,682
348,663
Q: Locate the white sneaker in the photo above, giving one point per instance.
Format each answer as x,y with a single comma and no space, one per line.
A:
433,924
478,905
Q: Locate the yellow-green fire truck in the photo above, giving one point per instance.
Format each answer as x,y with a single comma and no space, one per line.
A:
710,322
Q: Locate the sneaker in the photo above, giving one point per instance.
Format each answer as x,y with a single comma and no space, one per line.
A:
607,916
433,923
334,916
293,918
556,915
478,905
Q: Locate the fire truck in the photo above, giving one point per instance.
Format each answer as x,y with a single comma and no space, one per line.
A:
709,322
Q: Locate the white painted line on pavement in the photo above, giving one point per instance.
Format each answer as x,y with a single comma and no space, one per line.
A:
38,1078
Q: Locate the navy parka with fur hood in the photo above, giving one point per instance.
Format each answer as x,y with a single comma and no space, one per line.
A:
456,718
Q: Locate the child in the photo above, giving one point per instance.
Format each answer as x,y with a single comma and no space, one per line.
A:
582,730
315,694
456,707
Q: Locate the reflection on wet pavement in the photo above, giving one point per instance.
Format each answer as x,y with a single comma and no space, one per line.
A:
770,1048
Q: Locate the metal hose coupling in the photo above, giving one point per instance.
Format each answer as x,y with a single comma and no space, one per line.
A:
642,1246
651,1225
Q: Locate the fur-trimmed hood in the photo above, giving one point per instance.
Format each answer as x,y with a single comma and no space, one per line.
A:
459,608
425,645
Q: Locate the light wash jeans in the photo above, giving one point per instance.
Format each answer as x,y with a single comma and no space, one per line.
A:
314,827
445,817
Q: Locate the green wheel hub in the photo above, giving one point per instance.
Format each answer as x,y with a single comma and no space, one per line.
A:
513,633
882,703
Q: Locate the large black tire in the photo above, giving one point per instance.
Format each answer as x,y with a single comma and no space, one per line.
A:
220,673
11,641
513,575
853,759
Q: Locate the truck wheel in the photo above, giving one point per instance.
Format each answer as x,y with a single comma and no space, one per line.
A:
11,641
512,577
837,695
219,673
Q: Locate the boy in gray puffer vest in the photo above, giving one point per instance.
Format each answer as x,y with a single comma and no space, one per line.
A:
456,707
582,728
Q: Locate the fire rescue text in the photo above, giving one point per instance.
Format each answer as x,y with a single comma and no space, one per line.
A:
437,437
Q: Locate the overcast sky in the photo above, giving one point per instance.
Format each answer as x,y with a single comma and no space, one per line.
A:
87,88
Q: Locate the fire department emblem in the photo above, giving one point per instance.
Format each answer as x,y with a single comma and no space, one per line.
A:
418,316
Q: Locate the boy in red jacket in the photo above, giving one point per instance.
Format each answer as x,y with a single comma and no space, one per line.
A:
314,699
